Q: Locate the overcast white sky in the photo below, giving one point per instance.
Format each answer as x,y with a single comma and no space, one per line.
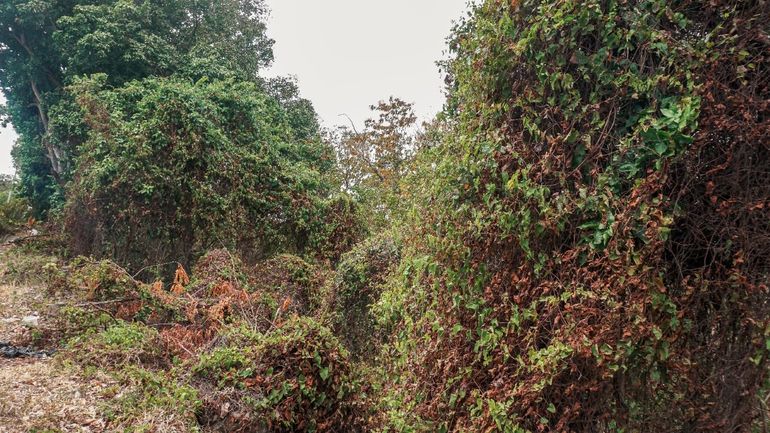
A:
7,138
349,54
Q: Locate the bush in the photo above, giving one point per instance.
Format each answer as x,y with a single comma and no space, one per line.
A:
215,268
338,227
104,287
295,284
152,400
591,255
295,378
120,345
94,280
172,168
14,211
356,287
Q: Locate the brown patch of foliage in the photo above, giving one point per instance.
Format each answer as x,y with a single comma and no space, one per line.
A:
188,313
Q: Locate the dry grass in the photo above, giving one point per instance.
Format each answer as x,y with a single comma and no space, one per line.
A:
44,396
39,395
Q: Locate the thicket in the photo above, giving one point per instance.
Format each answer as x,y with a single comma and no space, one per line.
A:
148,130
172,168
46,44
355,286
592,254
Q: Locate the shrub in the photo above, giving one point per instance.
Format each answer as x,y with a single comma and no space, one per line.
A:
172,168
94,280
215,268
356,286
118,346
295,378
104,287
14,211
337,228
295,284
591,251
152,401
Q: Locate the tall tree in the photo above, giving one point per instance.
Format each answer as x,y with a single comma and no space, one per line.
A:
44,44
377,155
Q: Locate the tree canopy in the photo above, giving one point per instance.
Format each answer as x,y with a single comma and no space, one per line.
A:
46,44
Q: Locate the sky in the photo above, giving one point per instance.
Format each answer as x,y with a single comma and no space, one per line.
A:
7,138
350,54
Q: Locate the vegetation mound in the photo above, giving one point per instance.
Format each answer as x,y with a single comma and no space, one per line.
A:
356,287
215,269
296,377
593,255
295,284
220,164
120,345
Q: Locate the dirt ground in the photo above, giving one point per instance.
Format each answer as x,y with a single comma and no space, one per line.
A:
42,396
39,394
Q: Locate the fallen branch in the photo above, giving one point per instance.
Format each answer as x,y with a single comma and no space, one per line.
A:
94,303
21,240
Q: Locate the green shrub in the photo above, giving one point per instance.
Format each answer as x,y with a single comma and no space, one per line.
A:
152,401
295,378
79,322
102,287
119,345
356,287
14,211
295,284
93,280
172,168
26,264
338,227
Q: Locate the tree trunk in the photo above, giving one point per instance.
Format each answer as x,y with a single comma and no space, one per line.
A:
53,152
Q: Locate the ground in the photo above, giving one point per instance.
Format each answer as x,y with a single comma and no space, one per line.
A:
40,394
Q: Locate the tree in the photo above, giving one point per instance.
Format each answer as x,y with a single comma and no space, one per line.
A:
374,161
45,44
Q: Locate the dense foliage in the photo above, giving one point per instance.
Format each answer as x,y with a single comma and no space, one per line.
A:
355,287
295,378
45,44
578,243
592,254
13,210
172,168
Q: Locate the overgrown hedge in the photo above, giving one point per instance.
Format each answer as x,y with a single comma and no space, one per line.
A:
296,378
592,254
172,168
